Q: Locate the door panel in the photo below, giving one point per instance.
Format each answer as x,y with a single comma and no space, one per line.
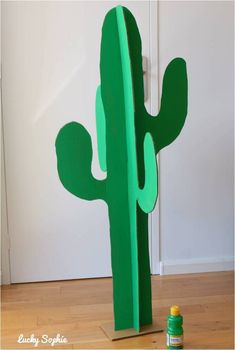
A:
50,74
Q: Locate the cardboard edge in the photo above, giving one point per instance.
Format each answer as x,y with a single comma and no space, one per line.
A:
108,329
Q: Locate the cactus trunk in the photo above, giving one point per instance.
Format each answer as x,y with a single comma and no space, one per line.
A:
130,309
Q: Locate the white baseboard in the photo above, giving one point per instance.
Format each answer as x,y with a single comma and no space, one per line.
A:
196,265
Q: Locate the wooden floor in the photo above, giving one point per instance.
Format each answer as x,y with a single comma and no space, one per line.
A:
76,309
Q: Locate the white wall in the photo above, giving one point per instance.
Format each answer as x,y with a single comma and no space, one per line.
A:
196,171
196,182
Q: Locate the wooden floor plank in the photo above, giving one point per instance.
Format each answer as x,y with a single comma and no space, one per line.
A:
76,309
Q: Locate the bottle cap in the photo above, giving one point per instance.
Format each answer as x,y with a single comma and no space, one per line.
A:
175,310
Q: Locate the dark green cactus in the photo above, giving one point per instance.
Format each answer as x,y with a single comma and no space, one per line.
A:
128,141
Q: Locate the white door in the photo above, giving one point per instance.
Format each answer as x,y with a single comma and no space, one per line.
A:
50,72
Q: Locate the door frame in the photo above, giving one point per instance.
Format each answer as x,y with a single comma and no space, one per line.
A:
154,221
5,274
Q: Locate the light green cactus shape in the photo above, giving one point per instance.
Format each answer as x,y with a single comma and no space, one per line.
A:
128,141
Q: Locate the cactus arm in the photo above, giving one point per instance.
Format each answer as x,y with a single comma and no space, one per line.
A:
173,111
101,130
166,126
74,156
148,195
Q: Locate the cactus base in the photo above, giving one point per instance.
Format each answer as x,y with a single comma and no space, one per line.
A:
108,329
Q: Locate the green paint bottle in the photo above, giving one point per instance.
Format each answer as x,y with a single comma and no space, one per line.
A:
175,332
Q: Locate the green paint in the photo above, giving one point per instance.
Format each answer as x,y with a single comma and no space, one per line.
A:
174,331
128,141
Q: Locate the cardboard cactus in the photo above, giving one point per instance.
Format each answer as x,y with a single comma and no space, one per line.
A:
128,141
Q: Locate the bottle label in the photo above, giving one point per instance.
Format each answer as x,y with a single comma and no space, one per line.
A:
174,340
